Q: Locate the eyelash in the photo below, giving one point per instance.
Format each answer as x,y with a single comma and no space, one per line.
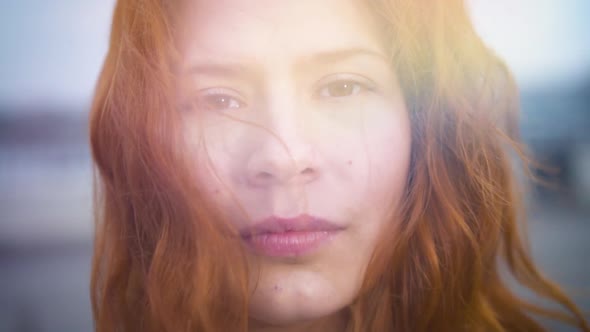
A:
220,95
357,86
216,94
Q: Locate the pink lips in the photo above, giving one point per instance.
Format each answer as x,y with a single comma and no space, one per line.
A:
288,237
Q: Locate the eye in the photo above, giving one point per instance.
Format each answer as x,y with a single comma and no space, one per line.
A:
341,88
213,100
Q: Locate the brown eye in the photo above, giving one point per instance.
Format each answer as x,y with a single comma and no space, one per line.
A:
340,89
219,102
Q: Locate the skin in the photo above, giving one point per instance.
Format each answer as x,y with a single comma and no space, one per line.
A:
295,113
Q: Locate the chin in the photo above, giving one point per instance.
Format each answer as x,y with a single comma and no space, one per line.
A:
289,313
288,294
287,310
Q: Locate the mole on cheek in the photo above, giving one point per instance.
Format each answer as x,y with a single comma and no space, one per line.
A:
350,162
277,288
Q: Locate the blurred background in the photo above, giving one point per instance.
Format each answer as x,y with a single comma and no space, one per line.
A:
51,52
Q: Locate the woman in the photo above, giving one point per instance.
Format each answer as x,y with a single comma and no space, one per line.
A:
307,166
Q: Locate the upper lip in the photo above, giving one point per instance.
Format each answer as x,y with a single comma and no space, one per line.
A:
301,223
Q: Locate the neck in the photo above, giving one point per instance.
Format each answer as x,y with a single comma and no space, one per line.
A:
333,323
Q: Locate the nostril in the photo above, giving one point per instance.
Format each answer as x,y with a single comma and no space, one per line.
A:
264,175
308,171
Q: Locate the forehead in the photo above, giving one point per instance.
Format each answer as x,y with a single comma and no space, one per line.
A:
270,29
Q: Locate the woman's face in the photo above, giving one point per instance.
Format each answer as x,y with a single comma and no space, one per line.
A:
301,134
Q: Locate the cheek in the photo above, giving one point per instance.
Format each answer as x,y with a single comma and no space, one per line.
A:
388,158
208,164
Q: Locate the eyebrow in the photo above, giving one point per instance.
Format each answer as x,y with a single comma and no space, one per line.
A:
339,55
214,68
238,69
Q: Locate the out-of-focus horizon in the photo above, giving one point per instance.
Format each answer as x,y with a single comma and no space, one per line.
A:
51,55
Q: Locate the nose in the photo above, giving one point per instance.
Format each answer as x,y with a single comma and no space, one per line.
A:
282,160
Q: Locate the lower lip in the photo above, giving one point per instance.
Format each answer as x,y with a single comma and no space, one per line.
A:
290,244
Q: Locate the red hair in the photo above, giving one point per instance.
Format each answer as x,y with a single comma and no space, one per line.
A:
165,259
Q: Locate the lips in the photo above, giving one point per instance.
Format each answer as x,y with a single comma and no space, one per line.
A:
298,236
302,223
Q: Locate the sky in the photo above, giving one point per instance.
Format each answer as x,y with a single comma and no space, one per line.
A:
51,51
545,42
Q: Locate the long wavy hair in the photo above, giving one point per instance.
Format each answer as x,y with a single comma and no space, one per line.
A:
165,260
